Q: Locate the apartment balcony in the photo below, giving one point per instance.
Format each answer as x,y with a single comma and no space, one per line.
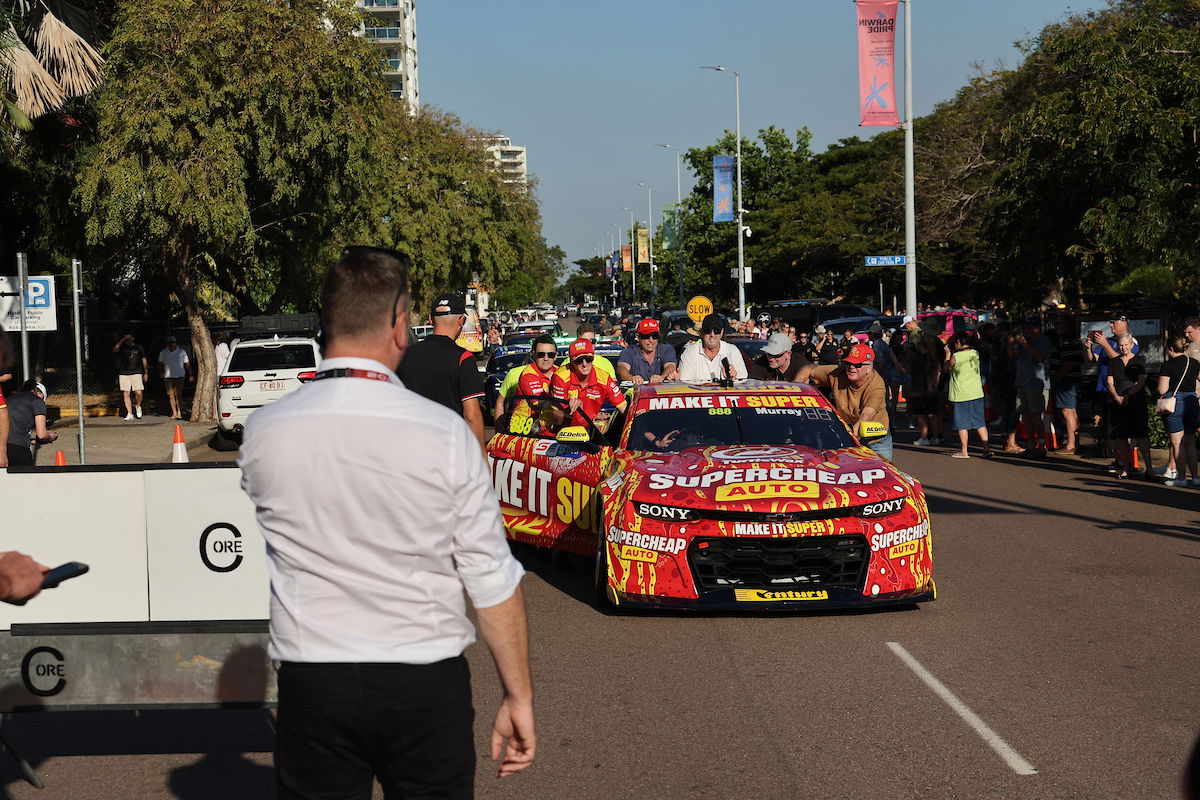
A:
395,4
391,66
384,35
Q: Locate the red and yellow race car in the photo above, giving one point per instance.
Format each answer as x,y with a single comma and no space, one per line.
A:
748,496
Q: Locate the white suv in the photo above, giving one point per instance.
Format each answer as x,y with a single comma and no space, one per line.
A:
260,370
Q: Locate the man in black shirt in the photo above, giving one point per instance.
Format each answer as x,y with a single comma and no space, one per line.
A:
779,360
133,371
440,370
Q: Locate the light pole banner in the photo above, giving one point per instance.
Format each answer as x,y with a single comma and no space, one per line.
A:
877,62
670,227
722,188
643,245
627,258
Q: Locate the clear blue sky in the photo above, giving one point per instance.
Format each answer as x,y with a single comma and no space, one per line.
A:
590,88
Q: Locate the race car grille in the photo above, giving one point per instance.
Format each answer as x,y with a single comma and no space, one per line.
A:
780,563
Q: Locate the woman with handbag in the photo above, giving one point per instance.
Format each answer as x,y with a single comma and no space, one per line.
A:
1128,421
1180,409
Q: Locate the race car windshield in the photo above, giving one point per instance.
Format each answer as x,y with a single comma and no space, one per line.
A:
678,429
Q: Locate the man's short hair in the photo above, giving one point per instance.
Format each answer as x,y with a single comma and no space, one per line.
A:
1192,322
584,327
362,290
545,338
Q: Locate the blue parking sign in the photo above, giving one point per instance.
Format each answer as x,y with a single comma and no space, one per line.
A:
39,293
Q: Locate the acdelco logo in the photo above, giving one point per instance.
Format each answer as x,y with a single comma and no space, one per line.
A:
755,490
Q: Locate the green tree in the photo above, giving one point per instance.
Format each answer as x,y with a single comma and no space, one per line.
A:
233,144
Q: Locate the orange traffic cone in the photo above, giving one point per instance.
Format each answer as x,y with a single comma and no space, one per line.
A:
1134,458
60,460
179,449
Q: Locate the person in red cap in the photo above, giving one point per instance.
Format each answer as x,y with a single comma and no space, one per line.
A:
857,391
583,387
649,361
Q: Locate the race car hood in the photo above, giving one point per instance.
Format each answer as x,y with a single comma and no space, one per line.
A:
765,478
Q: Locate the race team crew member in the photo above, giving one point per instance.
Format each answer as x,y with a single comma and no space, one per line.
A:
584,387
857,391
586,331
438,369
778,362
704,361
533,380
649,361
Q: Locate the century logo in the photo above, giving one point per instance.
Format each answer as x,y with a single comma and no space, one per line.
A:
221,547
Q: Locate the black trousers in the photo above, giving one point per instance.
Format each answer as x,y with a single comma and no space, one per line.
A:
19,456
408,725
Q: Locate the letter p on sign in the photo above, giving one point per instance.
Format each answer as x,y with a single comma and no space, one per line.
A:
39,293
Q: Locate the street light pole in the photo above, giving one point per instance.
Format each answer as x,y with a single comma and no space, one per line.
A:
910,225
737,100
650,222
678,203
633,257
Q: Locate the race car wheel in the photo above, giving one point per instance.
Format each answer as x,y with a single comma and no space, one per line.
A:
600,576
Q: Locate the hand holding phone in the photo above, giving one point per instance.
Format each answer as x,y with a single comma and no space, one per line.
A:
72,569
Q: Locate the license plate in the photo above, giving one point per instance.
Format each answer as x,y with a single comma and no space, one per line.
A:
270,386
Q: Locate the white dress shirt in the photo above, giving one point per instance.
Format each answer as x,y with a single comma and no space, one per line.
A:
378,511
696,367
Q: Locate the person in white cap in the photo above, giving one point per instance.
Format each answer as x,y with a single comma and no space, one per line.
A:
27,415
778,361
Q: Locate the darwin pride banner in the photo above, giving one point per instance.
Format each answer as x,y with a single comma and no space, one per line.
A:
877,62
722,188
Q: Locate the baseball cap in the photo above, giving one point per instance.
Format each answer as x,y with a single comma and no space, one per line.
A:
171,339
764,317
449,304
777,344
860,354
713,321
1120,318
580,347
41,387
820,329
907,319
648,326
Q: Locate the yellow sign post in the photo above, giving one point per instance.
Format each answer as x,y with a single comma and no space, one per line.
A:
699,307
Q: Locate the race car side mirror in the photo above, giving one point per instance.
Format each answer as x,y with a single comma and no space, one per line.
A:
871,431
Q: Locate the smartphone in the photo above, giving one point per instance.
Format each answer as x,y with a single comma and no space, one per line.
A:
72,569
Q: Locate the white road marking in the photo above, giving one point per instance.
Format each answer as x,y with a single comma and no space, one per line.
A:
1011,757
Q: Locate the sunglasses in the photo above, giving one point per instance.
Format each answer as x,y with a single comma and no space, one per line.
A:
850,365
583,360
551,354
647,335
769,355
713,330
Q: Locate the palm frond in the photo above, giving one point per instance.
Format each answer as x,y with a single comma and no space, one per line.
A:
36,89
67,55
16,115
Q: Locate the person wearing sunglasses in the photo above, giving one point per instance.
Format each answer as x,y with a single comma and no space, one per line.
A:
529,380
584,388
857,391
649,361
712,358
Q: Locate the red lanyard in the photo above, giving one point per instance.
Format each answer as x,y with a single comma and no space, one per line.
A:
351,372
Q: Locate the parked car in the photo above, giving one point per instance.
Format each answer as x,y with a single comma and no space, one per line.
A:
261,369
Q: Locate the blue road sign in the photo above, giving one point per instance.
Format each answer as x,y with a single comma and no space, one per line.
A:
886,261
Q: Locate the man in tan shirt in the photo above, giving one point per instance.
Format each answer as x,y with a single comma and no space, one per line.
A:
859,394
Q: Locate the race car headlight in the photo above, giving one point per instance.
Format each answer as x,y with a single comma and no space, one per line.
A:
666,513
883,508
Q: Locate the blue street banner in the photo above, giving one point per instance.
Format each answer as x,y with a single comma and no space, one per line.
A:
722,188
670,226
608,268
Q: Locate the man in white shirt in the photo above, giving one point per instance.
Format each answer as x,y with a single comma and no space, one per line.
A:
173,367
369,550
712,358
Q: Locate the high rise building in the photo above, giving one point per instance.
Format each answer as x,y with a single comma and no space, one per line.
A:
510,159
393,29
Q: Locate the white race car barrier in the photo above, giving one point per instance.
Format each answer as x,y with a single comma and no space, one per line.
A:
173,611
